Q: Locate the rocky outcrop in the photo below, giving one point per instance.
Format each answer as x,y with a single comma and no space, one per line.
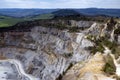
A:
88,70
85,24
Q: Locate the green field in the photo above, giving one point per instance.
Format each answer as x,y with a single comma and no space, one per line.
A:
9,21
6,21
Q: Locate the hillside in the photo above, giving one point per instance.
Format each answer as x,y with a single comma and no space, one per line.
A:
66,12
10,17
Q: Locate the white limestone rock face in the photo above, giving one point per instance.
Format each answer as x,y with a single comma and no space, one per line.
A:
46,52
94,29
118,39
84,24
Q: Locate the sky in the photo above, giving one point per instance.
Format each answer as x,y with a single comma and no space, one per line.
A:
60,4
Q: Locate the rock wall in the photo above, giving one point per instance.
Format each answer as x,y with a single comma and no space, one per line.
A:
46,53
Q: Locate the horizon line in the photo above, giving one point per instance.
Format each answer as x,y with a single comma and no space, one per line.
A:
61,8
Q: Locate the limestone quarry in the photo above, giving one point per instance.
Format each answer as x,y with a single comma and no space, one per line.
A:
46,53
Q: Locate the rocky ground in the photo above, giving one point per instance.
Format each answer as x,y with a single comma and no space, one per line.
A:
54,54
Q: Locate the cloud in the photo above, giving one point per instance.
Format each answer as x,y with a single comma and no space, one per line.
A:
59,3
24,4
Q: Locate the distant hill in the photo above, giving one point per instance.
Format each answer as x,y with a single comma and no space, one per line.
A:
65,12
25,12
34,12
95,11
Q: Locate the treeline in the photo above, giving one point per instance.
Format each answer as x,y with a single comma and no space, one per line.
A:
100,18
57,22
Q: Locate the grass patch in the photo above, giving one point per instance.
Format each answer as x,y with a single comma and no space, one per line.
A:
6,21
109,66
9,21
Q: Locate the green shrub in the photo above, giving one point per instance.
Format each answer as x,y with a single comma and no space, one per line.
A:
73,29
99,43
109,69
